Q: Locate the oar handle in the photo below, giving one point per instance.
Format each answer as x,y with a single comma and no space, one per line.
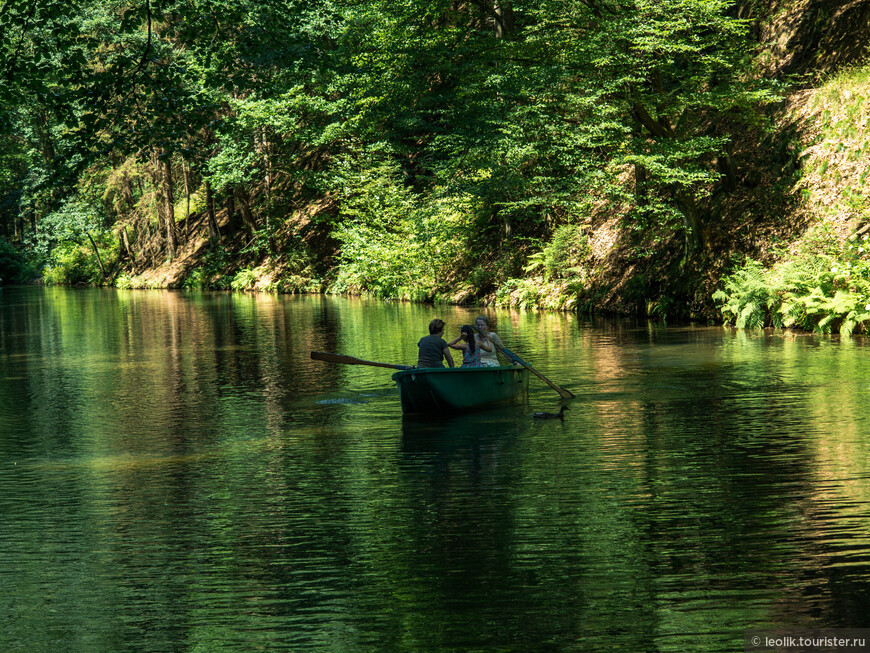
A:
565,394
350,360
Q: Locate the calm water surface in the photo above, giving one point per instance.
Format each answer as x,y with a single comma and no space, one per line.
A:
176,474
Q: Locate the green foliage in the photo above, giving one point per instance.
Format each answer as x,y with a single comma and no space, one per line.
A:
292,283
197,204
213,273
245,279
447,133
564,255
394,244
74,264
813,292
124,282
519,293
197,279
14,268
747,298
66,240
39,44
219,271
560,272
481,277
72,222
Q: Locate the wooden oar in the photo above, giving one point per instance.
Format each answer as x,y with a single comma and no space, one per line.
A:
565,394
350,360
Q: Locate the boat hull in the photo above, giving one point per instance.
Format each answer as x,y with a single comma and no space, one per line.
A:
444,389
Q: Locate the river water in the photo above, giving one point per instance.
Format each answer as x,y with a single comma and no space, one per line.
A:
176,474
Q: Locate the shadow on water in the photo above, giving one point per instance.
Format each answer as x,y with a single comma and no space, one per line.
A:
441,433
457,476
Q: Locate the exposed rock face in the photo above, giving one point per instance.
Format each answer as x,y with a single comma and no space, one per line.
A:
816,35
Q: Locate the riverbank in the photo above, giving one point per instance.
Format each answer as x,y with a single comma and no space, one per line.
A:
735,203
798,203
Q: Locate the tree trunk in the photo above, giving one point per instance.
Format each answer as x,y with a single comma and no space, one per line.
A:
231,209
504,18
140,253
214,232
261,145
46,145
169,198
125,251
729,174
128,193
185,168
159,201
268,161
695,239
99,260
154,249
640,188
127,245
244,207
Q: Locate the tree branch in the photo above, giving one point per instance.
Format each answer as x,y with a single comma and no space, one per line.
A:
653,125
147,43
97,252
14,59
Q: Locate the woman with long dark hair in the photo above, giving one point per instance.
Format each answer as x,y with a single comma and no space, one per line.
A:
470,351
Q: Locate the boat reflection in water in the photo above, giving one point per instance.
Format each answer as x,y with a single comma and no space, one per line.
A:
438,447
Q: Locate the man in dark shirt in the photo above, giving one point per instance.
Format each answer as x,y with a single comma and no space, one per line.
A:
433,348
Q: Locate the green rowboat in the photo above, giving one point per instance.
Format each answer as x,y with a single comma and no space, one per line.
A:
443,389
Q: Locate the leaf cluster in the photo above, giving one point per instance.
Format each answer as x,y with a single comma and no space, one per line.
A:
813,292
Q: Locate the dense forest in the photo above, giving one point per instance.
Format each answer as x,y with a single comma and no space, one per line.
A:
685,158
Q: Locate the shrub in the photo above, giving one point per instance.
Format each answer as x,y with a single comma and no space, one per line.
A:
72,264
65,240
245,279
124,282
814,291
197,279
564,255
213,271
13,265
519,293
394,245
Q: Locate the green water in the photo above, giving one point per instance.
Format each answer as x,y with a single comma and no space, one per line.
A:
176,474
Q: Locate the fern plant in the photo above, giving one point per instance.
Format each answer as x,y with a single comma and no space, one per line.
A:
747,297
814,292
245,279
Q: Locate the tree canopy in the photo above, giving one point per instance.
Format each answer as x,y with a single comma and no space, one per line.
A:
504,119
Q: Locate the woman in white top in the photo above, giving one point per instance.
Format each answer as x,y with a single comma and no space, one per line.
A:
487,358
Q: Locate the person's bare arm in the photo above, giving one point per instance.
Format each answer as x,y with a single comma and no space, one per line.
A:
453,344
448,357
